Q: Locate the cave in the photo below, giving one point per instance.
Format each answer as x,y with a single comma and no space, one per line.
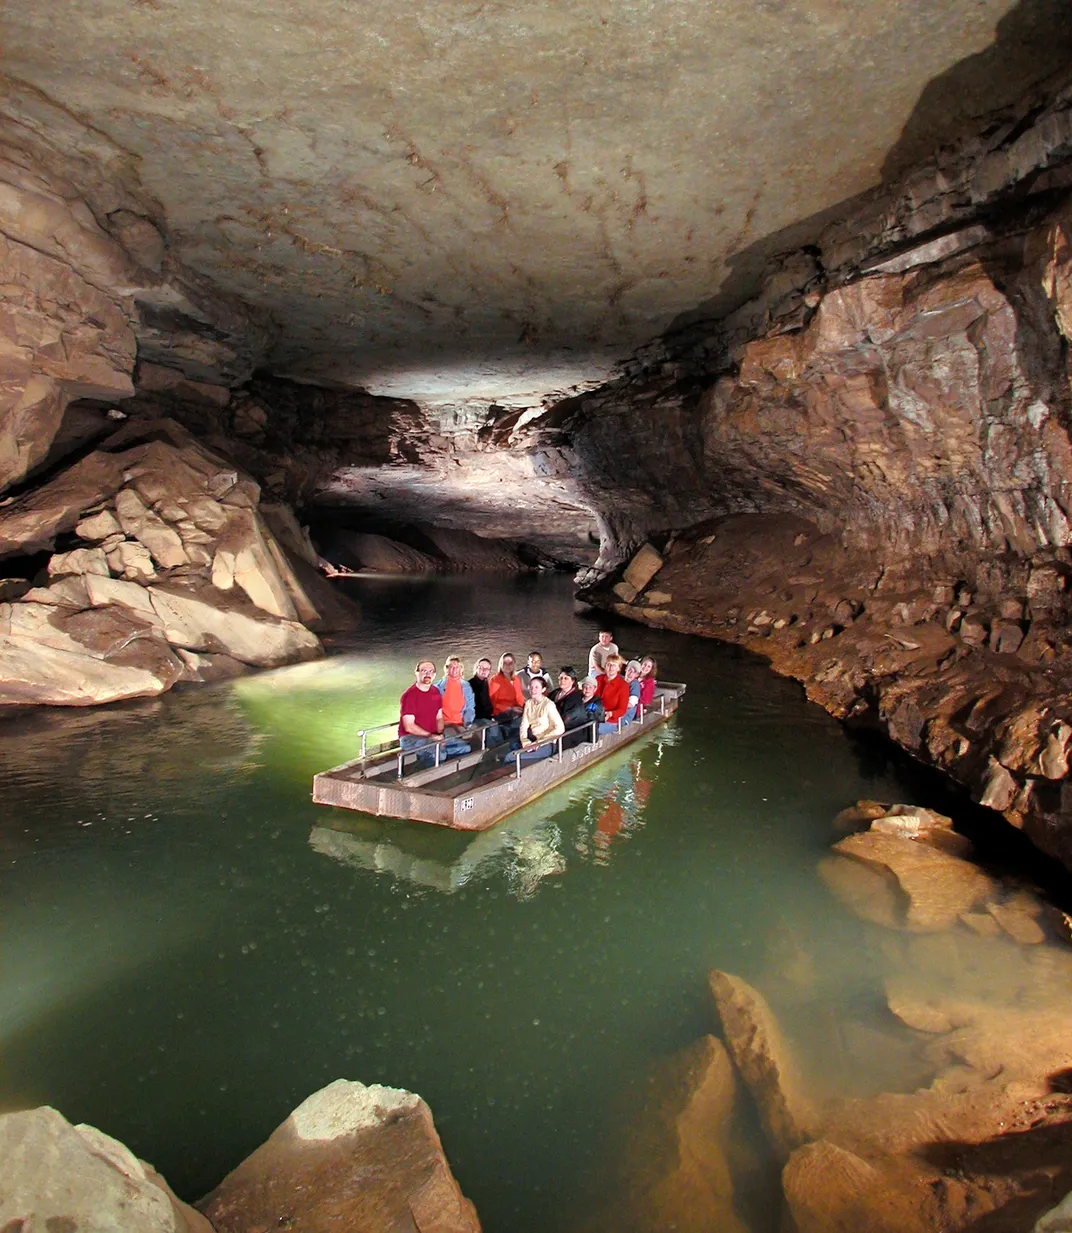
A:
744,329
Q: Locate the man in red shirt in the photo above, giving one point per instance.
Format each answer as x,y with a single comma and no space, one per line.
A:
421,722
613,693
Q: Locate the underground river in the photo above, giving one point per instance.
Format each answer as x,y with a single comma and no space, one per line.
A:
190,947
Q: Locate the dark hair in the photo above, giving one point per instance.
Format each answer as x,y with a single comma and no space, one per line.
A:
568,670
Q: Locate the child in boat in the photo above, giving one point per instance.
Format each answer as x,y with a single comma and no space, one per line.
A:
597,656
648,669
540,721
593,706
632,679
614,694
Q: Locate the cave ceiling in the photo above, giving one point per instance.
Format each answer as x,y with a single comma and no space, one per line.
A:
496,202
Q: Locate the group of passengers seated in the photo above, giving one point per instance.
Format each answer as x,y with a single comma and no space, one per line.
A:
522,710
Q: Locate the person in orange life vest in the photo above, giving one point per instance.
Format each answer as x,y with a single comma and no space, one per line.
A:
648,669
614,694
507,700
421,723
459,702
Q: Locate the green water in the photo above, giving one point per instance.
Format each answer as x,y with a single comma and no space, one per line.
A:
190,946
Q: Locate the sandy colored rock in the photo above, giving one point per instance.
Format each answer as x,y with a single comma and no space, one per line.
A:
198,623
831,1190
140,523
682,1159
78,561
98,526
645,564
132,560
860,815
349,1157
57,1176
1018,922
625,591
872,893
762,1058
938,887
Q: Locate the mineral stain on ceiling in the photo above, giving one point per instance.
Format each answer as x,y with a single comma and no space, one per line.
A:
499,201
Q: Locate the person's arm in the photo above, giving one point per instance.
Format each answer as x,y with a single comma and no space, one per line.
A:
557,726
468,704
413,728
440,722
518,694
526,726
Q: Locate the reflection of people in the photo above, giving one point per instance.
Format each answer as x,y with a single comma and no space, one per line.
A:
540,721
597,656
421,720
459,704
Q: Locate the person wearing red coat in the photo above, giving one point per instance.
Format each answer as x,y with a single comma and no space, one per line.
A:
613,693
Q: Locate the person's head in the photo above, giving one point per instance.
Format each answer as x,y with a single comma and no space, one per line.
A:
613,666
453,666
567,679
482,669
605,637
589,687
648,666
535,661
537,687
424,672
506,663
632,670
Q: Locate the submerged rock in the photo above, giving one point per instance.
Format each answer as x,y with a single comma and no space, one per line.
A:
75,1179
350,1157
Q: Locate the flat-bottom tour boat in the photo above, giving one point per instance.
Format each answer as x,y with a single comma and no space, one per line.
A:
478,789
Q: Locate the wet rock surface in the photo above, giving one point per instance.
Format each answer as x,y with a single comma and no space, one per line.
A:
350,1157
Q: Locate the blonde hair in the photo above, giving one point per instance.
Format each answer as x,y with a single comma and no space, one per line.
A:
506,655
452,659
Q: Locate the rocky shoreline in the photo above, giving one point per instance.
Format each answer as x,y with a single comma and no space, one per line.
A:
968,669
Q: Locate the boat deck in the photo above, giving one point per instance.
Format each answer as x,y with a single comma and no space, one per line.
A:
476,790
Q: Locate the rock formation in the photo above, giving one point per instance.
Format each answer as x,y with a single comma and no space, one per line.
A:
167,572
349,1156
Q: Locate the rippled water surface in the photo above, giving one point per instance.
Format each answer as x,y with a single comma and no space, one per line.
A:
190,946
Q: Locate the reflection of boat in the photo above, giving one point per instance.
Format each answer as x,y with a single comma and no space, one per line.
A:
473,792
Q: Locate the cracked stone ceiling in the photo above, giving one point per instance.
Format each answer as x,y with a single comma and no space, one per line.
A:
497,201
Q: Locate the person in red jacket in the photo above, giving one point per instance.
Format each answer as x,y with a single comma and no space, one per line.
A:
613,693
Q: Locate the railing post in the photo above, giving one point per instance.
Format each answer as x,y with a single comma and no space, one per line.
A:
517,764
559,744
438,747
364,742
401,756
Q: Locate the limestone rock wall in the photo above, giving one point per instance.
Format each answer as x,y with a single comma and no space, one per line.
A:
162,569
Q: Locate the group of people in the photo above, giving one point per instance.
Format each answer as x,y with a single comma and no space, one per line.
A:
523,709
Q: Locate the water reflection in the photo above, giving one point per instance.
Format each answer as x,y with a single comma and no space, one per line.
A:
524,849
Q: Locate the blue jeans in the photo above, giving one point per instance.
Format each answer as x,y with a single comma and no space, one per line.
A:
607,729
449,748
529,755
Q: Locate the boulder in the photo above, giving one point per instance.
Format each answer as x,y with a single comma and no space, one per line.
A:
682,1156
938,887
148,529
645,564
132,560
831,1190
350,1157
870,892
76,1179
760,1055
1018,920
78,561
1057,1220
201,622
98,526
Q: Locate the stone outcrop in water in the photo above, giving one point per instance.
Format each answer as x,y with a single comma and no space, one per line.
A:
349,1157
55,1176
164,571
984,1142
